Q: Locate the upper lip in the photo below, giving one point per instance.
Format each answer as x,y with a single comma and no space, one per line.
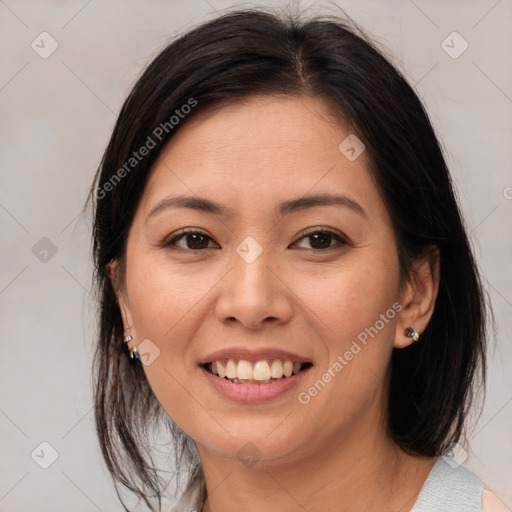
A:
253,355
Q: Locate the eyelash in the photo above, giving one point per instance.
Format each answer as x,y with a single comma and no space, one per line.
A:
171,241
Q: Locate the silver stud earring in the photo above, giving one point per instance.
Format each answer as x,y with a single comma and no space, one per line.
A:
134,353
410,332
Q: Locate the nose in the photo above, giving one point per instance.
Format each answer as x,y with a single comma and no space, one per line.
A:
254,295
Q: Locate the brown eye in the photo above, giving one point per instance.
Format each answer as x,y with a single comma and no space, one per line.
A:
321,240
194,240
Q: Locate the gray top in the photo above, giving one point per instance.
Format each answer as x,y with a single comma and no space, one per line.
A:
449,487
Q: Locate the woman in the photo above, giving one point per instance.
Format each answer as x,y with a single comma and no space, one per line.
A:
284,277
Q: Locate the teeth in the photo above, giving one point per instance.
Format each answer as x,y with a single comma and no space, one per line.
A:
244,370
231,369
261,372
276,370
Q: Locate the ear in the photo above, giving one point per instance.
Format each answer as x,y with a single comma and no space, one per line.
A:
419,297
122,299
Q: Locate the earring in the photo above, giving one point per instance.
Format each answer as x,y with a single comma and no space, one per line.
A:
410,332
134,353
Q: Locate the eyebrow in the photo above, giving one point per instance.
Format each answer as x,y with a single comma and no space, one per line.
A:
302,203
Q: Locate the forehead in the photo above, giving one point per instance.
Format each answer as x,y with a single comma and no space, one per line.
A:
258,151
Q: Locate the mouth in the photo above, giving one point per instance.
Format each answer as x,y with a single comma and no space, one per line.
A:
265,371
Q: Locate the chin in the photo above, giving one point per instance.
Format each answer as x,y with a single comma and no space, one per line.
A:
258,446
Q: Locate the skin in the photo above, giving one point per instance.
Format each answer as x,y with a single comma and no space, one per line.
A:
333,453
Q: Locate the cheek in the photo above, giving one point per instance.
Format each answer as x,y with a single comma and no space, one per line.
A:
166,307
350,297
162,299
354,318
350,380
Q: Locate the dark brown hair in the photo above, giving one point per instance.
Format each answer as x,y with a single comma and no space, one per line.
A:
249,52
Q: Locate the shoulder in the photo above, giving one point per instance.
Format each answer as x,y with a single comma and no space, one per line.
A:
449,488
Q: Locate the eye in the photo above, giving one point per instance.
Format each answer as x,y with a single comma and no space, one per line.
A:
194,239
321,239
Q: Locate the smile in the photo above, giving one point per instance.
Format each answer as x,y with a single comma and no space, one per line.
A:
264,371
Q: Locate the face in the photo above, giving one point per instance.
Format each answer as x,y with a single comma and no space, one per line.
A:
264,277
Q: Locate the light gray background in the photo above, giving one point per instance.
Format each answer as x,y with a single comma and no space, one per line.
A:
56,118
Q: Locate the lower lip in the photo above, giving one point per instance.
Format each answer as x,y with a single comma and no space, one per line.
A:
251,393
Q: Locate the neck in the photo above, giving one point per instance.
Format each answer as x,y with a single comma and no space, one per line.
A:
358,472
